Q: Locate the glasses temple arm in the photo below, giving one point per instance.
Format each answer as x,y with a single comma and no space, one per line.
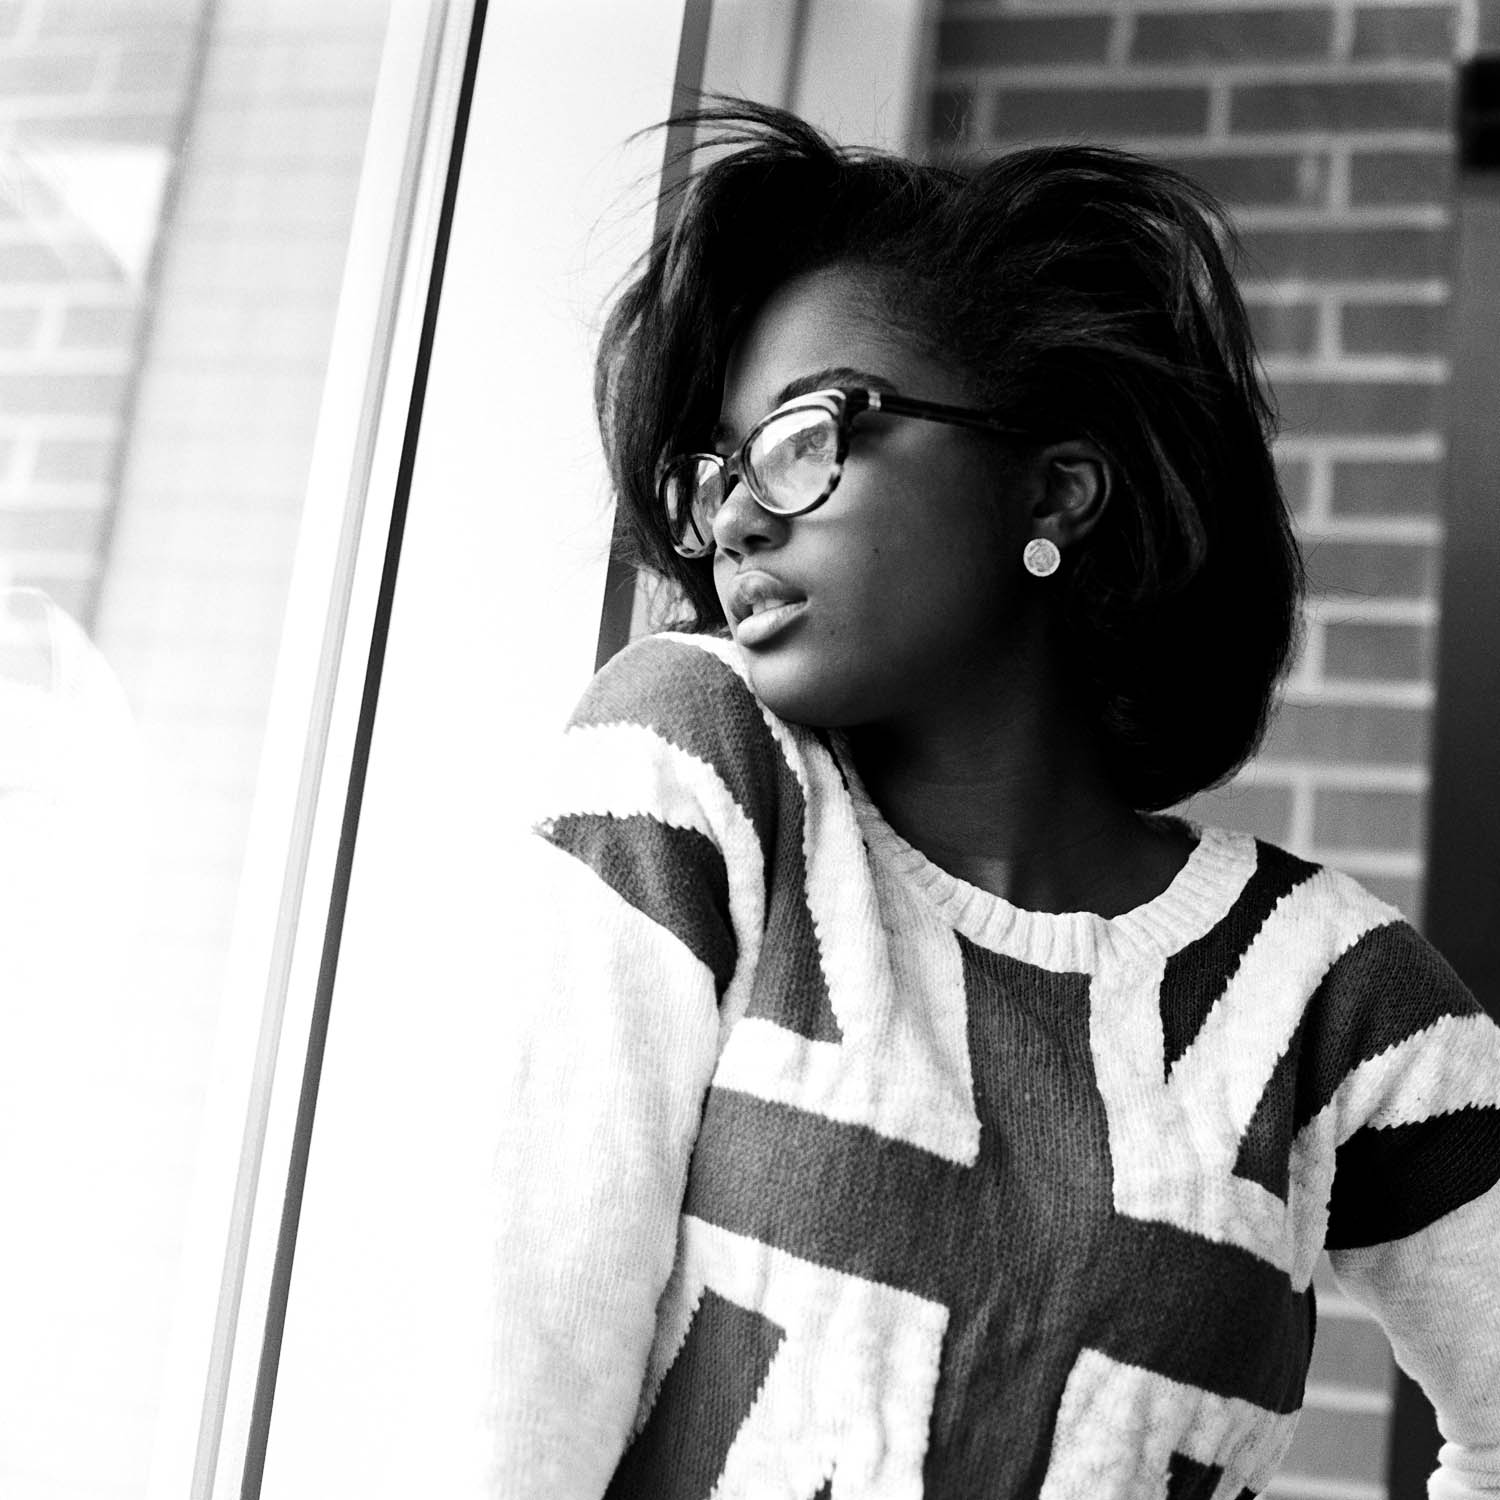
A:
936,411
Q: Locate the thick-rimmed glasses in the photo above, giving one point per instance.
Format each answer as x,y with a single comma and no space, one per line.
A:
791,461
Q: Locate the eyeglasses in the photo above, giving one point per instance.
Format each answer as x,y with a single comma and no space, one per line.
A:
791,461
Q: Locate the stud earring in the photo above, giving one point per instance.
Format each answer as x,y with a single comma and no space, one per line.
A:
1041,557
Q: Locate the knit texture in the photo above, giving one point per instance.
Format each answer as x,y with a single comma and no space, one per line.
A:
835,1176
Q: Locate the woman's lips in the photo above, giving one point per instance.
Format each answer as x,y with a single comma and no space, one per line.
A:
760,606
757,629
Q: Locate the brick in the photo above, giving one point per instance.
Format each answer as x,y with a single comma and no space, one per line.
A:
1347,1446
1282,179
303,197
89,259
1349,818
90,18
1229,37
72,595
117,127
1350,408
46,73
1356,104
1403,32
38,529
1295,475
235,135
1283,327
1361,818
1417,328
25,262
95,326
1068,113
60,394
1384,177
1387,487
950,116
1404,892
1358,733
1346,253
1265,811
988,41
206,541
1359,651
247,266
307,63
72,460
18,326
283,334
154,71
23,193
1373,570
1351,1352
203,397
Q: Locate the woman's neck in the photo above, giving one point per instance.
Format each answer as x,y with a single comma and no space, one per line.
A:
1020,806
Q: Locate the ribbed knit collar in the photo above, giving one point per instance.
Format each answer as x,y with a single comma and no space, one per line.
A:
1199,896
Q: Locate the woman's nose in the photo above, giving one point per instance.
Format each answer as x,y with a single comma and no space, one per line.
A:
742,525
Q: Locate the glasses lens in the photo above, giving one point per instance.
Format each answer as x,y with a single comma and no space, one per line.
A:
692,490
793,459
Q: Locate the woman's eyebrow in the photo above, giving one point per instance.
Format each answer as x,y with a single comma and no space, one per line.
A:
822,380
816,380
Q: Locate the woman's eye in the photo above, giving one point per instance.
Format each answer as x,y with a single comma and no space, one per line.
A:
814,442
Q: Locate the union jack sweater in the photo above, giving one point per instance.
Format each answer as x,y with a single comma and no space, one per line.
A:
832,1177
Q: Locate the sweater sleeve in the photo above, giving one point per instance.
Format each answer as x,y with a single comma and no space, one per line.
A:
1437,1295
641,890
1414,1216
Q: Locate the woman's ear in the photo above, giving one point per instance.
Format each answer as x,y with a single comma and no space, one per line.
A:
1073,491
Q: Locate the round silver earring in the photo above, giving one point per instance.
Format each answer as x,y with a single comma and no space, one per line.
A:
1041,557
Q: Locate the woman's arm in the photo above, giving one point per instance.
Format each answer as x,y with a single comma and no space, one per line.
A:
1414,1216
1437,1294
610,1045
642,890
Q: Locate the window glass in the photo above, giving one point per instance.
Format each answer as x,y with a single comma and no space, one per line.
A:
177,185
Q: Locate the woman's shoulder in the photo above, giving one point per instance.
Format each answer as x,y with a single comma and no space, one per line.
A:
1373,980
1398,981
1394,1064
669,682
679,707
1326,910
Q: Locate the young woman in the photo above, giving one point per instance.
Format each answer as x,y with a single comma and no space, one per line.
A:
907,1107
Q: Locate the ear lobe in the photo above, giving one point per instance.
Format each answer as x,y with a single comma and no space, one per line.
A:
1075,490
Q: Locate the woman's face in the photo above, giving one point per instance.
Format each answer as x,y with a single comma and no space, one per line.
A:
905,589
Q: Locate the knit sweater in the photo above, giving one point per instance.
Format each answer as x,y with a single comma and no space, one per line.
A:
832,1177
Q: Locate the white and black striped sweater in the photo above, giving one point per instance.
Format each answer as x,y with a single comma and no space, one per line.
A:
832,1175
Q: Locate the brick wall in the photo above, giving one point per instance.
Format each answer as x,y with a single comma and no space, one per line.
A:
84,103
1326,126
211,490
93,102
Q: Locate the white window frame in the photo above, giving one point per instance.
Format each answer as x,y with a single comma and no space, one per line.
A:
289,878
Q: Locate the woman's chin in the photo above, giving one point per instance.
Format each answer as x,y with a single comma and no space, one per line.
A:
800,697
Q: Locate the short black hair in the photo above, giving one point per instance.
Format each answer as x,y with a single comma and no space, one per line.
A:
1082,292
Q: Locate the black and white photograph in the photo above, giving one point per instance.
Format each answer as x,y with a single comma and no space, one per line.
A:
750,749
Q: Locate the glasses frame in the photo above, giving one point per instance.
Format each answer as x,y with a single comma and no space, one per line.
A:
845,403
